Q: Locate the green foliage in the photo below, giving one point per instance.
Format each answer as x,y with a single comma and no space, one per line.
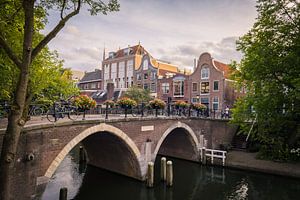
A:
270,72
157,104
138,94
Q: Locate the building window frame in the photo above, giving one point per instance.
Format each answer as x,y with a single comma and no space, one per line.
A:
165,87
215,103
218,86
193,87
205,72
180,87
206,90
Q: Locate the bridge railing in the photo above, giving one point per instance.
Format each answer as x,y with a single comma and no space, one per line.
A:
213,154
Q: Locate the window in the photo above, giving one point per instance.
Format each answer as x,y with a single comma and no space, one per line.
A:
93,85
215,103
146,86
153,87
205,88
195,87
205,101
145,64
195,100
216,85
165,88
153,75
138,77
178,88
205,73
145,76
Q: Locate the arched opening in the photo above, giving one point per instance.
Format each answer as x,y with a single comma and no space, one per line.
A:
105,145
178,141
107,151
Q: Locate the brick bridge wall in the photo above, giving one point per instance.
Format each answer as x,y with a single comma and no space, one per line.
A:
123,146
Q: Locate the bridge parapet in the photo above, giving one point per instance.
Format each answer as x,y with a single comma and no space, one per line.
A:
132,141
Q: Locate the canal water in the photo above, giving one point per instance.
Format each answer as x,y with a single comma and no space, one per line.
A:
191,182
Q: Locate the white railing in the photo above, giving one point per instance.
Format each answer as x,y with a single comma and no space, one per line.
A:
212,153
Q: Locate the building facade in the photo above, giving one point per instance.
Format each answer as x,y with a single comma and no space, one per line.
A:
118,68
210,84
91,82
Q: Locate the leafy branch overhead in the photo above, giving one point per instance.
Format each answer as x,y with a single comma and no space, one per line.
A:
270,72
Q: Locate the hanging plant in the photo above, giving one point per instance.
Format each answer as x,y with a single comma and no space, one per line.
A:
126,102
84,102
157,104
181,104
109,103
199,106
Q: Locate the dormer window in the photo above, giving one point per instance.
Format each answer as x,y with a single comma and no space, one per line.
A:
145,65
111,54
205,73
127,51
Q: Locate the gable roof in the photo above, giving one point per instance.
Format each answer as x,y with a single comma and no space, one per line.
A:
135,50
91,76
222,67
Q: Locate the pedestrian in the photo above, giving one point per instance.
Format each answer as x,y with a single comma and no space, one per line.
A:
227,112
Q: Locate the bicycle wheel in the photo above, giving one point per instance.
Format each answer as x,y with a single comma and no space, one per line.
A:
73,114
37,112
51,116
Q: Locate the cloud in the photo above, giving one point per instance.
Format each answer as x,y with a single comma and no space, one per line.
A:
183,55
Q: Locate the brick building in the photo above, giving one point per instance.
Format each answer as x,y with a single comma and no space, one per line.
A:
149,71
91,82
118,68
210,84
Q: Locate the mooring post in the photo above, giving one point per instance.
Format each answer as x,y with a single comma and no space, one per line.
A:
63,193
203,156
82,157
163,168
150,175
169,173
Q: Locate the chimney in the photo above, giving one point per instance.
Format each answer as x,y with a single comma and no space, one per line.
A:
110,90
195,64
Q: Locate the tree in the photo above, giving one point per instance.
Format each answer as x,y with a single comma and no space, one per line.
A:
270,72
138,94
28,18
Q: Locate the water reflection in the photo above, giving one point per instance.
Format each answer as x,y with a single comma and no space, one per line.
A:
191,181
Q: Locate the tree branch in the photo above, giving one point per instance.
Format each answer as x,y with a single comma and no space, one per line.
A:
10,52
54,31
62,9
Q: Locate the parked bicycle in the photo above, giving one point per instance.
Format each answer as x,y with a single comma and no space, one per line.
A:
36,110
62,109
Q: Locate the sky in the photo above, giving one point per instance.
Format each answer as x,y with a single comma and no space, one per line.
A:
176,31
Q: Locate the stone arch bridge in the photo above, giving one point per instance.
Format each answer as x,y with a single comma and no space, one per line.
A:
123,146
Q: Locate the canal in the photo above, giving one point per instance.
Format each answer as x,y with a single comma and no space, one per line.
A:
191,181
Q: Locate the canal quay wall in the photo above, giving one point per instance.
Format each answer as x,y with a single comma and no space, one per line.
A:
122,145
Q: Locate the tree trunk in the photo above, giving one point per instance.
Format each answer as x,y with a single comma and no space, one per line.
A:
15,121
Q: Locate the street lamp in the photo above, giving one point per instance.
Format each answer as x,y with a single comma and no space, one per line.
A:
198,98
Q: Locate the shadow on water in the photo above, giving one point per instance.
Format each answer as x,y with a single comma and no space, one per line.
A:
191,181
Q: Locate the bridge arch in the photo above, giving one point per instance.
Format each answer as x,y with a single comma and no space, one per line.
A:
190,134
98,129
